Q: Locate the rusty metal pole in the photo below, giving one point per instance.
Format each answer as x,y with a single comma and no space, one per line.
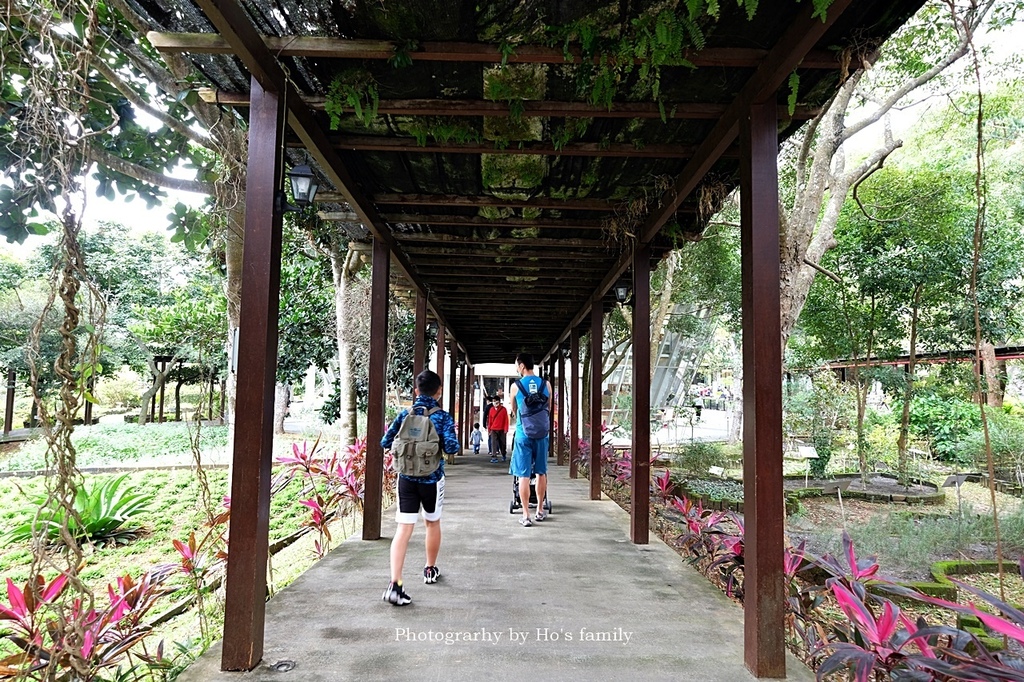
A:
378,367
419,356
574,403
596,370
246,588
764,643
640,479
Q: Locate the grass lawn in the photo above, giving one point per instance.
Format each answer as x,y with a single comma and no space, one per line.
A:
173,513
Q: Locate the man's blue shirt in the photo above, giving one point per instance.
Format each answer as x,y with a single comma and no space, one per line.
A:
443,424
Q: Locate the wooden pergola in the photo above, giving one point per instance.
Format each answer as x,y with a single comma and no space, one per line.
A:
480,227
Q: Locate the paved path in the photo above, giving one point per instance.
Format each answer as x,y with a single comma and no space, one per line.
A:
568,599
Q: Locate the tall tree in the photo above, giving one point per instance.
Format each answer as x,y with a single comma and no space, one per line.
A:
910,65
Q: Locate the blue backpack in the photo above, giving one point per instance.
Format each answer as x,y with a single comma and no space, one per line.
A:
534,417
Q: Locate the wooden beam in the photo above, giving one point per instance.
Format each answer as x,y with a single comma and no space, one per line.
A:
342,48
467,221
420,349
549,254
574,402
454,351
409,145
448,200
791,50
377,370
765,519
536,108
552,288
461,429
596,398
252,452
435,274
483,262
456,239
640,467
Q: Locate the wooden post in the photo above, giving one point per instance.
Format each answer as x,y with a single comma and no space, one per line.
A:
163,385
764,643
378,368
553,378
419,358
574,403
246,589
596,370
87,417
462,403
12,383
209,411
560,407
640,479
440,355
449,394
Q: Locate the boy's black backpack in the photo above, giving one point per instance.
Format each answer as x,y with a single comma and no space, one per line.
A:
417,446
534,417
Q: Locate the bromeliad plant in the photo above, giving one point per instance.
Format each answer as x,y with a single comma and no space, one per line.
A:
101,512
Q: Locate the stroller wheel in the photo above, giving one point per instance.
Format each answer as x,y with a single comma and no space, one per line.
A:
512,507
547,505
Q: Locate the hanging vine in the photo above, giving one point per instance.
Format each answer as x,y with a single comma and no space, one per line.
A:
56,99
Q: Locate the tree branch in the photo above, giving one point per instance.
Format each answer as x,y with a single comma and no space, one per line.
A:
828,273
116,163
912,84
133,97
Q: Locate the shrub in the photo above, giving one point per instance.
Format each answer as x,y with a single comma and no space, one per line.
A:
730,491
943,421
121,390
696,458
1006,435
100,512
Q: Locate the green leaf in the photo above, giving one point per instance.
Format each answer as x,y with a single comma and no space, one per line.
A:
794,91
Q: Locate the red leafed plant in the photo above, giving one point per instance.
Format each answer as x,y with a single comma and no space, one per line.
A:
74,641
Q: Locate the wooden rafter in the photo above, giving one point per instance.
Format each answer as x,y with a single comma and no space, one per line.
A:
477,201
341,48
545,109
456,239
408,145
465,221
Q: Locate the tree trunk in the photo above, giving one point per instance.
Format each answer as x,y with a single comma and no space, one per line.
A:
177,400
282,397
862,403
994,373
342,269
233,243
659,323
908,392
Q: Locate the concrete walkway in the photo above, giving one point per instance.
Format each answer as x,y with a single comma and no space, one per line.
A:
568,599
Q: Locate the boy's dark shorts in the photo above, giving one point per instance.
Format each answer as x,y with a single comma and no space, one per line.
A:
412,497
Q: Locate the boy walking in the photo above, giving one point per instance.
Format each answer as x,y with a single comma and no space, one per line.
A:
420,445
476,438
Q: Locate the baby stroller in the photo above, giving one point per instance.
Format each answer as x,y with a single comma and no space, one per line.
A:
517,502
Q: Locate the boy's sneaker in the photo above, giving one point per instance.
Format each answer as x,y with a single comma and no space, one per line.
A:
525,521
494,460
431,574
396,595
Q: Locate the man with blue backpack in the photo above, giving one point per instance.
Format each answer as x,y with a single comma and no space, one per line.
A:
531,403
